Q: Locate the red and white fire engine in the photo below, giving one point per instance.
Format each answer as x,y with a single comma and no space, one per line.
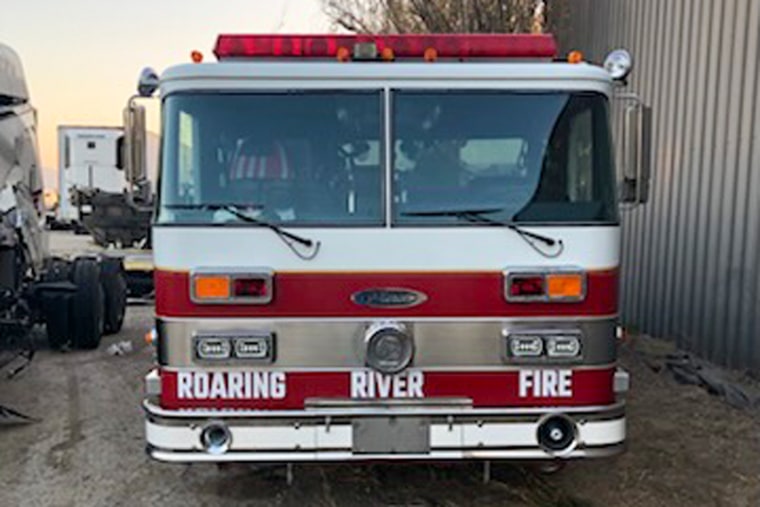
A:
389,247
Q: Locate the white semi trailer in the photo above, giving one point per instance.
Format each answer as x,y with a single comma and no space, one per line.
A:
89,160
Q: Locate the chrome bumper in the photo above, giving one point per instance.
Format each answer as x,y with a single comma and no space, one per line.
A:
331,433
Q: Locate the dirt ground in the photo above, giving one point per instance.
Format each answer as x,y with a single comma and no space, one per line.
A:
686,448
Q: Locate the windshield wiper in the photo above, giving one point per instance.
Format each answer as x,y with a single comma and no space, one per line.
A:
239,212
478,216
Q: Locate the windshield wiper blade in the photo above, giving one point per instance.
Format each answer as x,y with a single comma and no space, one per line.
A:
245,217
478,215
214,206
239,211
451,212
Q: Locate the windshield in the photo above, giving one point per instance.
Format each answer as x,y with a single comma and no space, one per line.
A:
535,157
298,158
316,158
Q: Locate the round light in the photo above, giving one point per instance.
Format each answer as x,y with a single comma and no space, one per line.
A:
431,54
216,438
387,54
390,349
343,54
575,57
619,64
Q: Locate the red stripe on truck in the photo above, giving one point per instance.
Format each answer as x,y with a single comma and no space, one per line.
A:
449,294
271,389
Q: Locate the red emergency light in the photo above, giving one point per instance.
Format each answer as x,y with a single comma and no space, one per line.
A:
402,46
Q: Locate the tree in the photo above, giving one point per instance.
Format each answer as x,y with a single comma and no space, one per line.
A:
441,16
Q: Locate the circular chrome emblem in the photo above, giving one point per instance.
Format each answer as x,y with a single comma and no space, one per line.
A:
390,347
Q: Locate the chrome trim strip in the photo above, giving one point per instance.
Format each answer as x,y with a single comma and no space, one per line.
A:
322,403
388,155
558,318
333,344
588,413
242,366
448,455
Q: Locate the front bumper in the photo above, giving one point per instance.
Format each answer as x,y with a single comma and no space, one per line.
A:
340,432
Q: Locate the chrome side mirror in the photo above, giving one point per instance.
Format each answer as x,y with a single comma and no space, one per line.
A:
636,150
135,135
148,82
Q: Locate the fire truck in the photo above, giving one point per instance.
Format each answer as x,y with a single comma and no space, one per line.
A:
390,247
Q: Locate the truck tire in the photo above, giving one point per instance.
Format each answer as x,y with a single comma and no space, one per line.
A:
88,304
57,322
115,294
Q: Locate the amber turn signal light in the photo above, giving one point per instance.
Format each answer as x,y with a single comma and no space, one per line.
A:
564,286
211,287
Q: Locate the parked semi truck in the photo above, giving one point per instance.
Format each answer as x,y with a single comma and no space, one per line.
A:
399,247
78,299
89,160
93,194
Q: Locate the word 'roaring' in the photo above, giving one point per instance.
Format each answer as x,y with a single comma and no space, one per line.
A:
259,385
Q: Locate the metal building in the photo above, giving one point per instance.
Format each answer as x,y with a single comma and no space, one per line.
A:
692,254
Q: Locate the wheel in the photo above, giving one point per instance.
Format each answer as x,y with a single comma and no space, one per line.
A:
88,304
57,322
115,295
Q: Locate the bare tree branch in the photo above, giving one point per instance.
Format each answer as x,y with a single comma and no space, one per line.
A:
426,16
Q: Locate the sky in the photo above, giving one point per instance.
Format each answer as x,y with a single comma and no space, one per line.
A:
82,57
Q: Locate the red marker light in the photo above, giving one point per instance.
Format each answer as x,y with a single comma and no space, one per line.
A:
526,286
402,46
251,288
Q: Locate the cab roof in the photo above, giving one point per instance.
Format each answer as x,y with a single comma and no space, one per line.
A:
275,75
12,81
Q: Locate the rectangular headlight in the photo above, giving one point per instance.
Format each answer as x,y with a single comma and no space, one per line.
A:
213,348
254,347
525,346
563,346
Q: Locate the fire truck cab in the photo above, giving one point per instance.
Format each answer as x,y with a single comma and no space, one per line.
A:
387,248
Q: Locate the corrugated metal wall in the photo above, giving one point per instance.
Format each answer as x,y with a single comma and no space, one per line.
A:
692,255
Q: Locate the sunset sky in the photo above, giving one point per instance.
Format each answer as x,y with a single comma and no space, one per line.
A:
82,57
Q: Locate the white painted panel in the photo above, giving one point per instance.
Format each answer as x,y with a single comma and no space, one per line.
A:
499,435
602,432
408,249
273,437
339,436
445,435
274,75
178,438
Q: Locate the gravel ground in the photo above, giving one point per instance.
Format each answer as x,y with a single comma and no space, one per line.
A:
686,448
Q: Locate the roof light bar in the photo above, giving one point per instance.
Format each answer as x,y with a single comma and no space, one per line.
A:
403,46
